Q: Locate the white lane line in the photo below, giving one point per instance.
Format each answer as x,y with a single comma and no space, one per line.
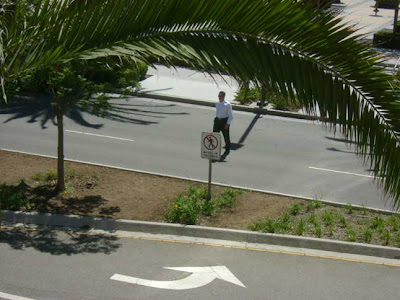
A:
100,135
13,297
342,172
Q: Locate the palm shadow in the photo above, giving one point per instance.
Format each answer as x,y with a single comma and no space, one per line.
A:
349,143
338,150
346,141
39,110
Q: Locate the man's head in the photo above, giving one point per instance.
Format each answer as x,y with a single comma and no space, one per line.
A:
221,96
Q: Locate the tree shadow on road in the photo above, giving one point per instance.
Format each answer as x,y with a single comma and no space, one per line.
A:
56,243
39,109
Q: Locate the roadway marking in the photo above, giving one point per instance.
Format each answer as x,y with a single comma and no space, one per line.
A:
200,276
100,135
342,172
13,297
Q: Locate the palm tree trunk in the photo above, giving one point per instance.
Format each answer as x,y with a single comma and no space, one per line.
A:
60,149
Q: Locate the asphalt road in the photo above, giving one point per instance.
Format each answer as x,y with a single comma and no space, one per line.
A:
269,153
57,265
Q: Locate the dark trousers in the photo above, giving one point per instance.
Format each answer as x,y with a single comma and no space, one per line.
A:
219,125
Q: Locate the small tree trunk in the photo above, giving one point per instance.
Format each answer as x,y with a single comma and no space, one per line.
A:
60,149
396,15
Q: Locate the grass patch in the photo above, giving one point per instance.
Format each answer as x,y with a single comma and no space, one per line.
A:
347,223
186,208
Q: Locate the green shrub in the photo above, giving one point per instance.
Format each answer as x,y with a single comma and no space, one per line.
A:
186,208
309,206
387,39
283,223
50,175
12,197
264,225
351,235
364,210
394,222
385,237
313,219
227,199
38,177
131,75
342,220
71,173
300,227
378,224
349,208
247,94
327,217
294,209
100,75
390,4
367,235
331,230
318,231
317,204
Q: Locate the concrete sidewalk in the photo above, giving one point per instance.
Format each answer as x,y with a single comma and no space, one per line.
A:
190,86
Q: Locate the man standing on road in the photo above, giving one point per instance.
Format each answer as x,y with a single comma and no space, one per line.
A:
223,119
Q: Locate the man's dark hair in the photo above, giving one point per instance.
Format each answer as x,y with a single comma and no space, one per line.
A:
222,92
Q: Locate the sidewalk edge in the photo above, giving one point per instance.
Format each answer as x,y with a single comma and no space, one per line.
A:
234,106
74,221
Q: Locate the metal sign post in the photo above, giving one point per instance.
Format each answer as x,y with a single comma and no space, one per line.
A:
211,150
209,179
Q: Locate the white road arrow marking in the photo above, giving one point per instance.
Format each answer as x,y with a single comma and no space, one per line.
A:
200,276
13,297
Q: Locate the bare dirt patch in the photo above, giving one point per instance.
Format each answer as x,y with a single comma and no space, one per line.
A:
107,192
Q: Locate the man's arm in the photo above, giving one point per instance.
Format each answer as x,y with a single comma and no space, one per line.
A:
230,116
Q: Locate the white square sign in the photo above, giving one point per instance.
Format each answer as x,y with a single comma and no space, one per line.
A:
211,145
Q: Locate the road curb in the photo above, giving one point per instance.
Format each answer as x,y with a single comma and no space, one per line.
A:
74,221
237,107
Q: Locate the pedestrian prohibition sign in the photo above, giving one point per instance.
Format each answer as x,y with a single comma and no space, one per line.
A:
211,145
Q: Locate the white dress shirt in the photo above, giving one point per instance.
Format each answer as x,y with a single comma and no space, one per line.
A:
224,110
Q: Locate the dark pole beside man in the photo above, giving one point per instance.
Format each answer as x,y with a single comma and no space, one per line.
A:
223,119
